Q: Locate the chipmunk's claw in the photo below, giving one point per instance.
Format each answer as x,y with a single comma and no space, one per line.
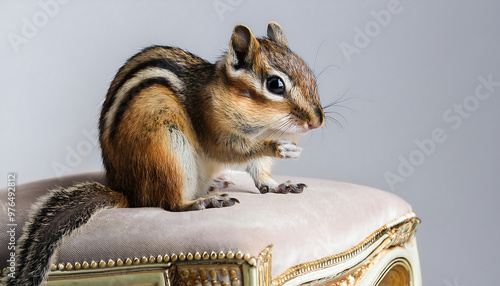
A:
264,189
219,201
289,187
284,188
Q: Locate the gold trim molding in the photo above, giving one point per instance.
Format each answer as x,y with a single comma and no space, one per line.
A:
398,232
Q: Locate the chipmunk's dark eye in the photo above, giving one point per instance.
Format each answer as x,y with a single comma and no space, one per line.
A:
275,85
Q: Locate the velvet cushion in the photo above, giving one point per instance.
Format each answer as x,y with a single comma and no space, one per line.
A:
327,218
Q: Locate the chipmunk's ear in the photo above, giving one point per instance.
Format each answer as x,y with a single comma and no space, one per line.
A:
243,46
276,33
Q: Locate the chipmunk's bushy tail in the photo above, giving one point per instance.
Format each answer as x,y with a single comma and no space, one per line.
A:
56,215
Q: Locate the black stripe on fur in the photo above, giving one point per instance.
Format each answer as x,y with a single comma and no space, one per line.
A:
130,96
163,63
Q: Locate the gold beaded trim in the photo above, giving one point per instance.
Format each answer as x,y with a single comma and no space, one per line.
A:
223,274
197,256
400,231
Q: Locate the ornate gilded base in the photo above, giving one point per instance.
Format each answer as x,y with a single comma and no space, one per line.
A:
388,257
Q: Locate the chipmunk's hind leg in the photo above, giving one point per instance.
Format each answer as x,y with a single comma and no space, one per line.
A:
164,168
212,201
194,187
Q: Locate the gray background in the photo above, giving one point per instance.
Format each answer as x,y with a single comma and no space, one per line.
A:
395,89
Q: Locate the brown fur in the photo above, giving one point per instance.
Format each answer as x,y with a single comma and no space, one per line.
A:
142,153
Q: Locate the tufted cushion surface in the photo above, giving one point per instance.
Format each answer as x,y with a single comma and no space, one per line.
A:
327,218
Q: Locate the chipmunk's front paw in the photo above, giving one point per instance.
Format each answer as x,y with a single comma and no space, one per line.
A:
220,183
284,188
286,149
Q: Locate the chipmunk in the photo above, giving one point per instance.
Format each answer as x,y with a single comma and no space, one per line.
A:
170,122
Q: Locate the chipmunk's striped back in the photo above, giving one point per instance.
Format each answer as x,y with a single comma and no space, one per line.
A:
166,66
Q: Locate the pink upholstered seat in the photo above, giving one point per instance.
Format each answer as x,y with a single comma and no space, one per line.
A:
327,218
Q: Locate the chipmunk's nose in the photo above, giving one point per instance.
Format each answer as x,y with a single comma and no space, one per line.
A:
312,126
321,120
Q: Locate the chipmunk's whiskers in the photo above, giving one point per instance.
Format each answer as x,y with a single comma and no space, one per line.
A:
281,127
336,102
271,126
